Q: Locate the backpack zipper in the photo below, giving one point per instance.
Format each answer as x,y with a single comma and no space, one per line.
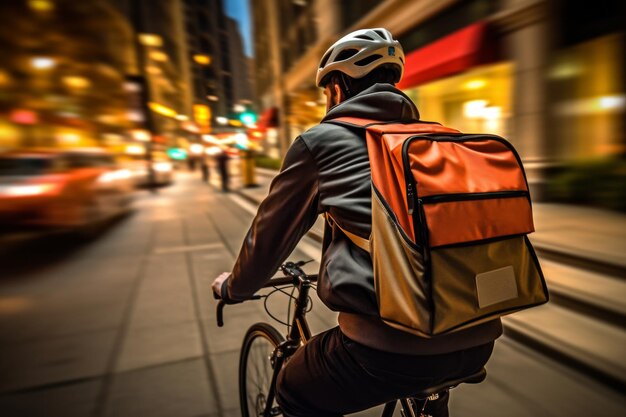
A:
411,184
411,193
445,198
410,197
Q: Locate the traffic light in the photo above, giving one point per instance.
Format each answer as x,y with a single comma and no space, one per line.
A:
247,118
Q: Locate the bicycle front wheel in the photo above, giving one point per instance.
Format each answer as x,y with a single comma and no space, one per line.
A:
256,369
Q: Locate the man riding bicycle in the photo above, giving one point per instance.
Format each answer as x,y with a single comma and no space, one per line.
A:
362,362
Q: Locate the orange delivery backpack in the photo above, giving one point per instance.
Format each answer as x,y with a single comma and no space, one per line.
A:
450,217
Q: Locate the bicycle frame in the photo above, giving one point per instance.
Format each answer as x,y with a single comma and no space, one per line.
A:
299,333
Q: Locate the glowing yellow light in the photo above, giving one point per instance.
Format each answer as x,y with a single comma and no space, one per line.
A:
158,56
41,5
140,135
565,70
135,150
475,84
149,39
611,102
492,113
76,82
162,110
213,150
107,119
236,123
202,59
153,70
474,109
4,78
202,114
68,138
42,62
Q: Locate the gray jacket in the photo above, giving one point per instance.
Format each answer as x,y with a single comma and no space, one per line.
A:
327,169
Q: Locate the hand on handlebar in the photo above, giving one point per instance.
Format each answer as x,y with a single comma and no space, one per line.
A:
220,290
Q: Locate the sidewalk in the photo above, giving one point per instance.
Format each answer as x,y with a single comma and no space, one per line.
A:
581,232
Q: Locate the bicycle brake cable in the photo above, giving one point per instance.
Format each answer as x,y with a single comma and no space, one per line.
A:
276,289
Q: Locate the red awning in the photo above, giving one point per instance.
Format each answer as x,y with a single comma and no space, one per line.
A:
452,54
269,118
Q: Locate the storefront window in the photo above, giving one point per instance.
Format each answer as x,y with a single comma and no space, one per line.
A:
587,99
477,101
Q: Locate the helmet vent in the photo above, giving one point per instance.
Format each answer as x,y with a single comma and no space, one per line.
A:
325,58
367,38
368,60
381,34
343,55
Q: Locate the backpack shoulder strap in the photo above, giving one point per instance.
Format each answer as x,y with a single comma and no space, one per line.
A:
357,240
379,128
356,122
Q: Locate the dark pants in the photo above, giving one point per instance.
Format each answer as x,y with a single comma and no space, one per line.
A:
333,375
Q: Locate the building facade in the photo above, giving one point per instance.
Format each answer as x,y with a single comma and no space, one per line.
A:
63,87
218,64
546,74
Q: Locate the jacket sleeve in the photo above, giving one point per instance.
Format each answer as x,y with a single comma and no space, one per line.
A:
287,213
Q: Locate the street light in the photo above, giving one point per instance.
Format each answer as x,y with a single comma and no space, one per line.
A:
158,56
202,59
42,62
150,39
162,110
76,82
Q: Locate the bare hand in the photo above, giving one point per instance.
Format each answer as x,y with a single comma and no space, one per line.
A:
218,282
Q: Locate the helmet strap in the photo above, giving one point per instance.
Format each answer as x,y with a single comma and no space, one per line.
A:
344,85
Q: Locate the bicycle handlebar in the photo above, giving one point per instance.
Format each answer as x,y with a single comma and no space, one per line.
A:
220,313
272,283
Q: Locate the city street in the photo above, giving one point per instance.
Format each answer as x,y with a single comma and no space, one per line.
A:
124,324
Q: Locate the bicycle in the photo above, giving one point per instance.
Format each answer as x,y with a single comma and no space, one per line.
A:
266,350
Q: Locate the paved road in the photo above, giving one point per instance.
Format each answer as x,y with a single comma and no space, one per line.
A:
124,325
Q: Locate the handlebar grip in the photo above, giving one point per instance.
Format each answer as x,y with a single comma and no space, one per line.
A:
220,313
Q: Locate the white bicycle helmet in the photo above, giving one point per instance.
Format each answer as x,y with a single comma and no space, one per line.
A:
359,52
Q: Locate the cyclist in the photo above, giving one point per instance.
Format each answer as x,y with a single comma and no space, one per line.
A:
362,362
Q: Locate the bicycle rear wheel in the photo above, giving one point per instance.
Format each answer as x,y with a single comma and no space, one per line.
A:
256,369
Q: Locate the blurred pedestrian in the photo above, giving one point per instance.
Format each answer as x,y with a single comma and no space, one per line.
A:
222,166
205,170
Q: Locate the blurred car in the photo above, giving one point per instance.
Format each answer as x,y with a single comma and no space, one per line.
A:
138,166
61,188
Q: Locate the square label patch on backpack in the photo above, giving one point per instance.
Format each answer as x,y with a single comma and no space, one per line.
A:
496,286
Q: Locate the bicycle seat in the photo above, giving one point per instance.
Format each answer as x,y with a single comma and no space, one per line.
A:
475,378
